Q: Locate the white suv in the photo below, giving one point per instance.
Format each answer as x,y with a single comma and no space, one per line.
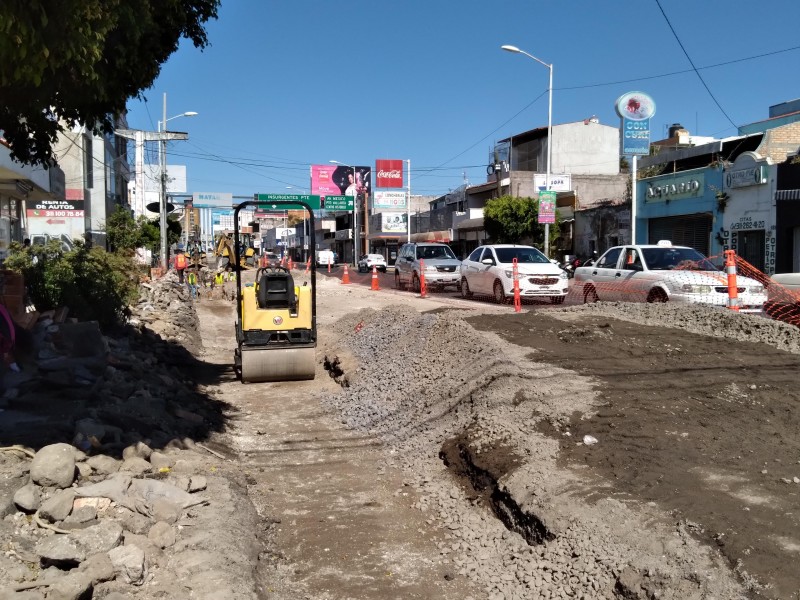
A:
489,271
441,266
367,261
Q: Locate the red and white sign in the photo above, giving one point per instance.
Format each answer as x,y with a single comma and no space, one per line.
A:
390,173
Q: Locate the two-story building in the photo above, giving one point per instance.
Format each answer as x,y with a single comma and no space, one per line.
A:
585,173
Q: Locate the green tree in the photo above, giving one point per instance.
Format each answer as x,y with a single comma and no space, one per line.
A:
123,233
95,284
70,62
510,220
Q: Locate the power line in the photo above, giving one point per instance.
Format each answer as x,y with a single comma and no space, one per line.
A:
523,109
694,68
648,77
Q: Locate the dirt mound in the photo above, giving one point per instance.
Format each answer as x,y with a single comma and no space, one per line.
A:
435,388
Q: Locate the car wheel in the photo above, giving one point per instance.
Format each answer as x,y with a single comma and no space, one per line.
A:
499,293
415,285
590,295
397,283
465,293
557,299
657,295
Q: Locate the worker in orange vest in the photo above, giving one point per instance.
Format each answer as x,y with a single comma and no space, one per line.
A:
180,264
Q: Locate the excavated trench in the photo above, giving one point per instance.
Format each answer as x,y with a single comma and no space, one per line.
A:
479,471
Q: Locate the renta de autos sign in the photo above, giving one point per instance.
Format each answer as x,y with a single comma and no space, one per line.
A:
390,173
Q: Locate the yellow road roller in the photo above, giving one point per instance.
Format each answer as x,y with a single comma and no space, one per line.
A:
276,325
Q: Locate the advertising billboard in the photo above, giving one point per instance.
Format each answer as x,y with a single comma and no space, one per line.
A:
338,180
212,200
394,222
390,200
547,207
389,173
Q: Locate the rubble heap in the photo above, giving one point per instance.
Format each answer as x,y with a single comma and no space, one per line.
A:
108,487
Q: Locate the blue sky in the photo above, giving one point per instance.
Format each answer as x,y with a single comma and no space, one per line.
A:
286,84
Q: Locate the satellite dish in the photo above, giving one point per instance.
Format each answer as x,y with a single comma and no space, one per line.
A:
154,207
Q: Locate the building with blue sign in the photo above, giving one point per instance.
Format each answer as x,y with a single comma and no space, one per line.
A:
722,194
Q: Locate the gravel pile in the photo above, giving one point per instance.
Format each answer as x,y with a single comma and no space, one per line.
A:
695,318
447,385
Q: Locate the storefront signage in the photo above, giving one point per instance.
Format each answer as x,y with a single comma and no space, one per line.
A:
676,188
391,200
558,183
746,177
394,222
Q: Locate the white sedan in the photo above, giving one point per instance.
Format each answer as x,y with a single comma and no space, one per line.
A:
489,271
663,272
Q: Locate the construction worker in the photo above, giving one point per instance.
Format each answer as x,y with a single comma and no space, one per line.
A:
191,280
180,264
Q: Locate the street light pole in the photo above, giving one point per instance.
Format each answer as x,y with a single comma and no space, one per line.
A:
162,208
408,206
356,239
516,50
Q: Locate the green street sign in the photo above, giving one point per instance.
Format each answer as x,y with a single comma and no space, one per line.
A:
265,200
339,202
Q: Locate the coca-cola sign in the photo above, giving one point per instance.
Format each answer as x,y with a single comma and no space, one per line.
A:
390,173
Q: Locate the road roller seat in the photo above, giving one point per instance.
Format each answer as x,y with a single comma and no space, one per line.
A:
276,290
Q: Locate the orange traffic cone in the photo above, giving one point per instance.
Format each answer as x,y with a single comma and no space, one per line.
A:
291,264
375,287
346,275
329,266
308,266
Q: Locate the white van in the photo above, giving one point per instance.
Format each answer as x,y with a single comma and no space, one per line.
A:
325,258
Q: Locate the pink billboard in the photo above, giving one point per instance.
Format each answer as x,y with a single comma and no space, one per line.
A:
338,180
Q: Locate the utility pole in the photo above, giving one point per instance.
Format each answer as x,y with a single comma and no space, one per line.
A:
140,136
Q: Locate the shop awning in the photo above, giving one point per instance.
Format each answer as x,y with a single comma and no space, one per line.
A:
382,235
431,236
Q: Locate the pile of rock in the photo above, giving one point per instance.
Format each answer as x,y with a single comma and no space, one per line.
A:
113,504
165,308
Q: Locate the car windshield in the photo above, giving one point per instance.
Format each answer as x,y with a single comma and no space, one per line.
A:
667,259
522,254
435,252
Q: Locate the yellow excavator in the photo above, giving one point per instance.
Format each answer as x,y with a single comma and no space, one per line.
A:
224,250
276,321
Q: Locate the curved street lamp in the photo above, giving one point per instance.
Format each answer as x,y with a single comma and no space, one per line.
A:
162,210
515,50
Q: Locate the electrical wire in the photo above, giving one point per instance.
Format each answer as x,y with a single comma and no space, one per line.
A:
694,68
714,66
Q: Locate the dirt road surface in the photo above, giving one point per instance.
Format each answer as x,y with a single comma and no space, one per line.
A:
448,457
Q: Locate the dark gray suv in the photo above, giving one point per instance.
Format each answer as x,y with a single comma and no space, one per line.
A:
441,266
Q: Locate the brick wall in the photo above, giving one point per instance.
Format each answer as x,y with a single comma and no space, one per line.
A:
780,141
